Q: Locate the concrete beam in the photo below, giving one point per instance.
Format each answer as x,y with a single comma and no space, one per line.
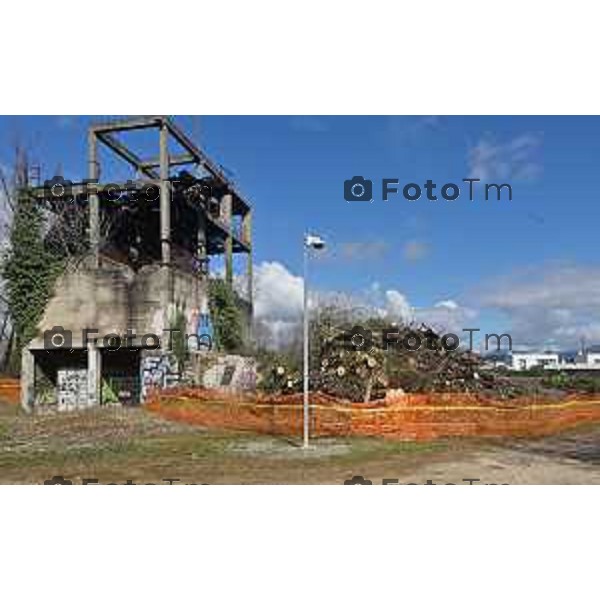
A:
94,203
165,199
127,124
94,370
126,154
247,239
175,160
202,242
202,158
27,379
189,145
226,217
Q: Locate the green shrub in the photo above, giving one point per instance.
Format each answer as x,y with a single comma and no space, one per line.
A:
226,317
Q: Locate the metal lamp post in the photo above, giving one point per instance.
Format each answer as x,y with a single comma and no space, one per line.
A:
311,242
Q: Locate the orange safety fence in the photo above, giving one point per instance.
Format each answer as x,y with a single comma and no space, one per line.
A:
409,417
10,390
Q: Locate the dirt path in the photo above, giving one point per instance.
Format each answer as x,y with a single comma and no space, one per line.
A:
497,466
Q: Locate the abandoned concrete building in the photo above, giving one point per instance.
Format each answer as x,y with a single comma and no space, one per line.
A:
148,265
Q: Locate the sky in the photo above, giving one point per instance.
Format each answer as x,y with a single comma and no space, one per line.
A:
526,266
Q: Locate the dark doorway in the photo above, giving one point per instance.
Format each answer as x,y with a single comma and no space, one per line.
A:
60,379
121,376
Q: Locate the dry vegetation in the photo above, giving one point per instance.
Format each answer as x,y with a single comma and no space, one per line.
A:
116,444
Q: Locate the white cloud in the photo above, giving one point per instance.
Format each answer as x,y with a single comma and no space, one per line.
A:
449,304
278,295
278,302
397,307
551,305
515,159
447,315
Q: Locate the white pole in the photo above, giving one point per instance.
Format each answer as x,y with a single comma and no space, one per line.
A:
305,399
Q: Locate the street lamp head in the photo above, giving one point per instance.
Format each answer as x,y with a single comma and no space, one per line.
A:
314,241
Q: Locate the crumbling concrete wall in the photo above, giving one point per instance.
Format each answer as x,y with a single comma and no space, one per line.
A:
154,288
86,298
224,371
113,299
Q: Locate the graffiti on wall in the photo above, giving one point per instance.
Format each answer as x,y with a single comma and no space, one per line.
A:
198,324
203,326
247,376
231,372
159,371
71,389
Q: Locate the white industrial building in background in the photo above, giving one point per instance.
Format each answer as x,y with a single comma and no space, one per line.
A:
584,360
523,361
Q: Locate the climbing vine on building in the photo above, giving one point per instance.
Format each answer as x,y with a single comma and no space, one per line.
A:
29,269
226,316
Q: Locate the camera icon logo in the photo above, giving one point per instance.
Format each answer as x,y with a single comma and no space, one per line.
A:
359,338
58,338
59,187
358,189
358,480
58,480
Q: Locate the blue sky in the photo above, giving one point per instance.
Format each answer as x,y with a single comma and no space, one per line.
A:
525,266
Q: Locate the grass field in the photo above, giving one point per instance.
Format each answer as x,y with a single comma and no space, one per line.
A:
117,444
114,445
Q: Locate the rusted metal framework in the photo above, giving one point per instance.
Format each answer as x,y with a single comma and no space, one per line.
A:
207,207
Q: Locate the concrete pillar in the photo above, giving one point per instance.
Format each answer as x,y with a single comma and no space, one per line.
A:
201,241
94,372
94,202
165,197
226,216
27,379
247,233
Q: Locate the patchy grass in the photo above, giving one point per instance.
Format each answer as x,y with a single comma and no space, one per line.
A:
114,445
367,448
117,444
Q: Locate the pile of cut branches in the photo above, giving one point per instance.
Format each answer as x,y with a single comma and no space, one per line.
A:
361,363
